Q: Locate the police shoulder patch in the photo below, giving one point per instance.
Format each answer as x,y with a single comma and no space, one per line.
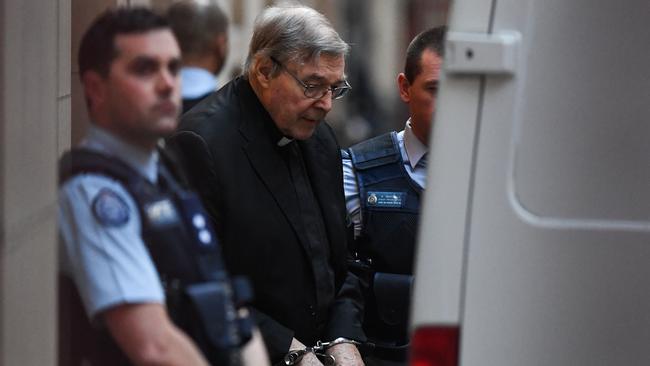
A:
109,208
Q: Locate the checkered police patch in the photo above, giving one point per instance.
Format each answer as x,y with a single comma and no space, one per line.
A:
110,209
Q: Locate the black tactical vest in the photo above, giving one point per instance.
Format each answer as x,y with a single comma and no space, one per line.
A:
390,203
184,248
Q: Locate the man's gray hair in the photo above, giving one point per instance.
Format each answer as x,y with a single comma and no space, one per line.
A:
293,33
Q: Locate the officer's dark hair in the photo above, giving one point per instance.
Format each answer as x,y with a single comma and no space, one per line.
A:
98,50
431,39
196,25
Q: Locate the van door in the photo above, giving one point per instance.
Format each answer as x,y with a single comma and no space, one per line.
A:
535,236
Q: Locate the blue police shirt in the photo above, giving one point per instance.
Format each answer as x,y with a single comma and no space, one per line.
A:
197,82
102,247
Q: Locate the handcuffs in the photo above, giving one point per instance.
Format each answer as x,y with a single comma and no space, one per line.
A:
294,356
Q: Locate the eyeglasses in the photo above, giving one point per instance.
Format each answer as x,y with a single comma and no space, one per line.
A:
317,91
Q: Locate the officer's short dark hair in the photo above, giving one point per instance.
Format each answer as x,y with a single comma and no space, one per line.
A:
196,25
431,39
98,50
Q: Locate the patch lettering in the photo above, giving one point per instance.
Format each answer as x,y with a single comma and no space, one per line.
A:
386,199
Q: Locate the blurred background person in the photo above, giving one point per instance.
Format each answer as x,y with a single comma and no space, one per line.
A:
202,33
383,180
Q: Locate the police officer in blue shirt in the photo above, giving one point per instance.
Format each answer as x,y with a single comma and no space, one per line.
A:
383,180
138,252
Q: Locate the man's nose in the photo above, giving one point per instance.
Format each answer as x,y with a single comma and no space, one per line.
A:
166,82
325,102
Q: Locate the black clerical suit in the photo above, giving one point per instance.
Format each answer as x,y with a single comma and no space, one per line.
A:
189,103
292,249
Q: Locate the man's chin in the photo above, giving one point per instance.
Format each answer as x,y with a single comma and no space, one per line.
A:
167,125
306,130
304,134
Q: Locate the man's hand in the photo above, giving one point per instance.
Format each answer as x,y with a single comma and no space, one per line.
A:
308,359
346,354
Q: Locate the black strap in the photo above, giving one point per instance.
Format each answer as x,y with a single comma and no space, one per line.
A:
82,160
377,151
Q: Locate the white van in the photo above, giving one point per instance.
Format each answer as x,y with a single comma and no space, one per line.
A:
534,246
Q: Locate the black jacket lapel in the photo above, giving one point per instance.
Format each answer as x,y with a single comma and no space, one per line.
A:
266,160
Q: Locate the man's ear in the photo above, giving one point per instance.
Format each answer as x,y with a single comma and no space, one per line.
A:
94,87
220,51
221,43
262,70
403,85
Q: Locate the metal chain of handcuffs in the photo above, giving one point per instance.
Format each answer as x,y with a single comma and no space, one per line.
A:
294,356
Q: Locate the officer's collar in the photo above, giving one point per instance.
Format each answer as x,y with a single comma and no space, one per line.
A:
415,149
143,161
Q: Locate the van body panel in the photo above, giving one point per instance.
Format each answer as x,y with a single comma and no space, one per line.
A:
535,231
450,184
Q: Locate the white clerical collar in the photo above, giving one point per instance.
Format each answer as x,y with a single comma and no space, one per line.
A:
143,161
415,149
284,141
